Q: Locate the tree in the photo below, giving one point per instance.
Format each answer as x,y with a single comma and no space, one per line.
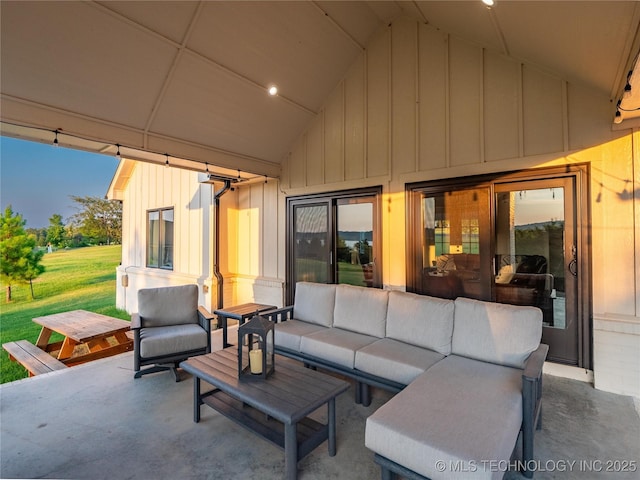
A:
56,232
98,219
19,260
40,234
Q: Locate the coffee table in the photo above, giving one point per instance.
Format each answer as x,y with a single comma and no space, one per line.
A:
276,408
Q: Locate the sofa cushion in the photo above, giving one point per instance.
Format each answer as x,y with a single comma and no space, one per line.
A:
335,345
288,334
159,341
394,360
314,303
420,320
361,309
495,332
460,411
164,306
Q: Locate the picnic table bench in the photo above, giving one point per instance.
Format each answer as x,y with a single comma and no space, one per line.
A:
86,335
33,358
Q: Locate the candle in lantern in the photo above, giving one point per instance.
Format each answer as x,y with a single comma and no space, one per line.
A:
255,360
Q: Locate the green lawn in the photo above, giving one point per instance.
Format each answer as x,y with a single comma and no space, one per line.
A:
83,278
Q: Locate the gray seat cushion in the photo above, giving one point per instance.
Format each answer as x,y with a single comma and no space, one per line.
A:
159,341
394,360
335,345
460,410
288,334
159,307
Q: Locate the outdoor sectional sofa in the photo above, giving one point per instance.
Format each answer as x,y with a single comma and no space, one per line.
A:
468,373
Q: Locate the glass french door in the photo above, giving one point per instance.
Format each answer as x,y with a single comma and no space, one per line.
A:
455,258
536,257
517,239
333,238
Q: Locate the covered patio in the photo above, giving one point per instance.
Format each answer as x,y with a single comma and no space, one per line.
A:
372,95
95,421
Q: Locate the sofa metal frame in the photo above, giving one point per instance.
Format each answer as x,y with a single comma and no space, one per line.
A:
531,395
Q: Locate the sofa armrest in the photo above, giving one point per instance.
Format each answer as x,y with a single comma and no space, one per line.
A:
279,315
533,365
136,321
532,402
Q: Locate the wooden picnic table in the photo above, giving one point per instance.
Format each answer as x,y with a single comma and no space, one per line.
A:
100,335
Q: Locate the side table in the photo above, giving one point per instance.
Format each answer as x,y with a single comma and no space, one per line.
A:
240,313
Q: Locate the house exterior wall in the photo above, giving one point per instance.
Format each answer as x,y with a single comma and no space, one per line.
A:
152,187
250,226
418,105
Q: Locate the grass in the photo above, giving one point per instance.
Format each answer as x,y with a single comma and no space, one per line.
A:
83,278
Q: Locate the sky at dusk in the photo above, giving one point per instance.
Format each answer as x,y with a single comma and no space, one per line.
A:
37,179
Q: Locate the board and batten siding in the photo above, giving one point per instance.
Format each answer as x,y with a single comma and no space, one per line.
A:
152,187
419,104
250,227
418,100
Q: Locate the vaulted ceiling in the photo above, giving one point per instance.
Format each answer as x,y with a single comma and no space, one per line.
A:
189,79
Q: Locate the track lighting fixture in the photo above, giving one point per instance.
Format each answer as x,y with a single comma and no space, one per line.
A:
618,117
106,147
627,87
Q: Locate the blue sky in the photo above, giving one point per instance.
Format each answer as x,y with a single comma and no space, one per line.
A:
37,179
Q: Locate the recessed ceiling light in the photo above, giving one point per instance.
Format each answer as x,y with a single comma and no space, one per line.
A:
273,90
489,3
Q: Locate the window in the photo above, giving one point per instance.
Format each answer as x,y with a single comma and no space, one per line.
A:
334,238
160,238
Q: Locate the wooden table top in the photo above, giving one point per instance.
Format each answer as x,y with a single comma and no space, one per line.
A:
239,312
83,326
288,395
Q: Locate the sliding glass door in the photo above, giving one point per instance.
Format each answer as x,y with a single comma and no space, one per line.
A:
333,238
536,257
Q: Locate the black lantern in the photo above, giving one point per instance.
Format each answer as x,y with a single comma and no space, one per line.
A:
256,361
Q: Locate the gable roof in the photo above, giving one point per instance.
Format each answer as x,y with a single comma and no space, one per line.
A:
189,79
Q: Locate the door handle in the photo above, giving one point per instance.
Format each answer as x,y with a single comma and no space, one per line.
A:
573,264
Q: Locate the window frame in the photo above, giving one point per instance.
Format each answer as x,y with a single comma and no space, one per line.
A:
162,243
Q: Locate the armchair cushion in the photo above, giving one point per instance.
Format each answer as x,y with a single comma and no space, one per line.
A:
164,306
159,341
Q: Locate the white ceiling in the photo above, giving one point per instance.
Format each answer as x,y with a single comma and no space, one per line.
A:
190,78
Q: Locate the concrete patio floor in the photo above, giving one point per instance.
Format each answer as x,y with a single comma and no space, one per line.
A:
95,421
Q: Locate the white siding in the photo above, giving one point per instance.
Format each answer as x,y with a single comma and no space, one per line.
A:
418,104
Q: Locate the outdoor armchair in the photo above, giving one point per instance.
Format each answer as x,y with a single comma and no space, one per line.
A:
169,328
